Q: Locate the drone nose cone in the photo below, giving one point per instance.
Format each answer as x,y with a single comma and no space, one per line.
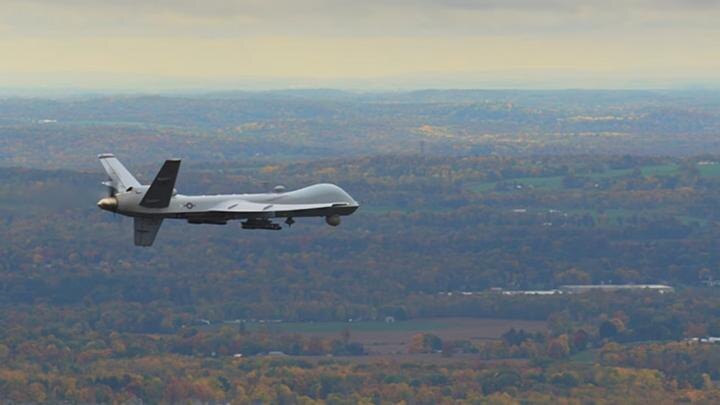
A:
108,204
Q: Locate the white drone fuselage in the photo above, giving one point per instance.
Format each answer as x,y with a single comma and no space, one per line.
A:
150,205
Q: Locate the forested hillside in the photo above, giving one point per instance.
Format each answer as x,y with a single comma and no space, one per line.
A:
464,195
69,132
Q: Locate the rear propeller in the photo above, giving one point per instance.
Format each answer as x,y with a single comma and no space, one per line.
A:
112,191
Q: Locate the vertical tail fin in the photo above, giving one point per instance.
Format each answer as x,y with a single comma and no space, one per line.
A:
120,177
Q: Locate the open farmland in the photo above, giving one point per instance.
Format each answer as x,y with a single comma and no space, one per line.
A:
381,338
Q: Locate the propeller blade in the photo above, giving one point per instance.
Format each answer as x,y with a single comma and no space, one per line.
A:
110,188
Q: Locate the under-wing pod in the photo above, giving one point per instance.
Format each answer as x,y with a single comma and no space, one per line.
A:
333,220
260,224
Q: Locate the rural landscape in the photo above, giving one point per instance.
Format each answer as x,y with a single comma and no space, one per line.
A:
479,210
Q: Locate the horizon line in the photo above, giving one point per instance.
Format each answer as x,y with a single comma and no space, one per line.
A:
80,91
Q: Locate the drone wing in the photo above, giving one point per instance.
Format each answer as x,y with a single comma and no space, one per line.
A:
161,189
265,210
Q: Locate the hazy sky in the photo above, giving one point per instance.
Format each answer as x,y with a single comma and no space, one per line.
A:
163,44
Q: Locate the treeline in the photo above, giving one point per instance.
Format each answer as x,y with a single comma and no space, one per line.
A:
173,379
620,316
62,347
426,226
690,363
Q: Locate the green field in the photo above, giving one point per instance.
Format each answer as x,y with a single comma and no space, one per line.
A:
381,209
660,170
381,338
556,182
709,170
547,183
614,214
378,209
585,357
419,325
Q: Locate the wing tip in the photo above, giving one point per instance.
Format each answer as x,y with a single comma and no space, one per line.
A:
105,155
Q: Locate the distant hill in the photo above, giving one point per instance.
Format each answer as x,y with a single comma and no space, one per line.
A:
321,123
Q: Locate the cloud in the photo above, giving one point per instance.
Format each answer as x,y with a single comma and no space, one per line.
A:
333,40
351,17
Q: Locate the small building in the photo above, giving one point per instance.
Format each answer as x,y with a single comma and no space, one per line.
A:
579,289
709,339
532,292
709,282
